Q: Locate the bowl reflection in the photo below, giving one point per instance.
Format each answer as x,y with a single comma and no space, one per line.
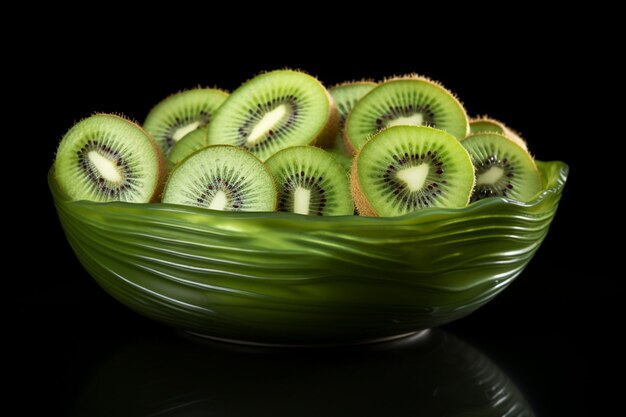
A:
432,374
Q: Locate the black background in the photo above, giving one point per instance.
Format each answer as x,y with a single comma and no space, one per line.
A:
542,330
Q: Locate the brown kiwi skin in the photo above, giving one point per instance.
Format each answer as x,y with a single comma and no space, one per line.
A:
162,173
236,147
326,136
509,133
363,207
364,81
412,76
197,87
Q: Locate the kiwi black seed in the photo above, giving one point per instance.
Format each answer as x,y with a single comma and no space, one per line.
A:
503,168
410,100
108,158
346,95
484,124
192,142
276,110
222,177
406,168
310,181
181,113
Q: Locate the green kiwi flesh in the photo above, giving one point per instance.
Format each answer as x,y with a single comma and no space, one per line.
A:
502,167
345,96
310,181
222,177
192,142
181,113
405,101
486,124
406,168
108,158
273,111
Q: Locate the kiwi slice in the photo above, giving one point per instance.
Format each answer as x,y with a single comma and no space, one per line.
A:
484,124
410,100
310,181
222,177
345,96
181,113
276,110
108,158
192,142
503,168
407,168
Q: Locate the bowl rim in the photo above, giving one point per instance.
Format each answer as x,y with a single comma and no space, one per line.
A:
551,186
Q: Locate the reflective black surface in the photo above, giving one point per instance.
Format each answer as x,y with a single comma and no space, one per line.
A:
432,374
95,358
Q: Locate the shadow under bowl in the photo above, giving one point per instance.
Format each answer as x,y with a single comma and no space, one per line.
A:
281,278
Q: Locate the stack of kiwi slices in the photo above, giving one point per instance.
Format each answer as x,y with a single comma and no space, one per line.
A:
283,142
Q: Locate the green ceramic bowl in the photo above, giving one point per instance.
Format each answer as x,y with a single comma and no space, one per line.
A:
282,278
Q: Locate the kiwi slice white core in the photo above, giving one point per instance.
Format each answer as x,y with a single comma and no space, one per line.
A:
416,119
222,177
265,125
219,201
414,177
182,131
182,113
302,200
503,168
310,182
491,176
106,167
407,168
274,111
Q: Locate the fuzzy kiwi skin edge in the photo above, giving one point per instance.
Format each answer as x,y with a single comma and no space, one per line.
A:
326,136
163,171
363,207
162,164
349,147
163,168
416,77
275,199
507,132
164,102
524,150
342,178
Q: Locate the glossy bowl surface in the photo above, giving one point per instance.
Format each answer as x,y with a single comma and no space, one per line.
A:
282,278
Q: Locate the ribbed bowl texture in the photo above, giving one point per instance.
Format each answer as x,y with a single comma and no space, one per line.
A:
283,278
